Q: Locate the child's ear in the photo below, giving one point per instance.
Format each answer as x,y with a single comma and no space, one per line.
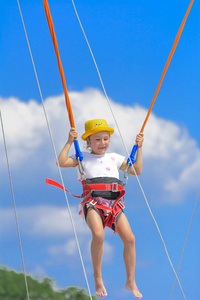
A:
88,142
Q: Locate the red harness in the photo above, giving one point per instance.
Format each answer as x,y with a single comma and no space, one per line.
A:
114,211
116,208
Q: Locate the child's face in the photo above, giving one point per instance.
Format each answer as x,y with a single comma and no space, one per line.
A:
99,142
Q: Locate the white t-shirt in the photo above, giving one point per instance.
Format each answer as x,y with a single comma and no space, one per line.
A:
106,165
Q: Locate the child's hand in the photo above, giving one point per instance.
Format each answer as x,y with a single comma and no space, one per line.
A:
139,140
73,134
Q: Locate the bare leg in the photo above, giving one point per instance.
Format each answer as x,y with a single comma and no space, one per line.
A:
128,239
95,224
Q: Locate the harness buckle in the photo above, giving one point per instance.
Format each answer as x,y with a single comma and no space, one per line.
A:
93,202
121,204
114,187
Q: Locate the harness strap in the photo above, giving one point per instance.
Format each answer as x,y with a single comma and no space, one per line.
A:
86,197
114,211
58,185
114,187
116,207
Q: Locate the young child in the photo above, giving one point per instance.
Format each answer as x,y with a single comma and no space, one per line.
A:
99,164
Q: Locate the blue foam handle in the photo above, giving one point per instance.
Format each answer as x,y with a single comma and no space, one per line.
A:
78,151
131,159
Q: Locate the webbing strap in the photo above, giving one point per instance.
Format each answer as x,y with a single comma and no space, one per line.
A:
58,185
113,211
111,218
88,188
103,187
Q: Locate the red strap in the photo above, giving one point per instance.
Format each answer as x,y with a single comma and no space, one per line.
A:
106,187
111,218
58,185
113,213
103,187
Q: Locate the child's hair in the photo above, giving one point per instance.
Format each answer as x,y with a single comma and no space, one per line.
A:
88,147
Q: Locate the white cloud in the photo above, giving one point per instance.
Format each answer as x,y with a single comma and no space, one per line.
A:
171,156
38,272
188,179
69,249
42,221
51,222
24,126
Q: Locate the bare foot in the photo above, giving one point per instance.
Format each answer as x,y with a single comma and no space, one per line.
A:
100,290
133,288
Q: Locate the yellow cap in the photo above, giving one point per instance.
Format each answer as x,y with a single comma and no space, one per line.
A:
97,125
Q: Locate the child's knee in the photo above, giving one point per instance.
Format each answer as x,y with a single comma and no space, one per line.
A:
130,240
98,236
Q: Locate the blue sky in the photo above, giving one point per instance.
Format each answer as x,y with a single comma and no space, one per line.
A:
131,41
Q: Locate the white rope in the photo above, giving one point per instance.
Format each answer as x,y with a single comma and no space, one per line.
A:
14,204
164,245
186,241
165,248
55,153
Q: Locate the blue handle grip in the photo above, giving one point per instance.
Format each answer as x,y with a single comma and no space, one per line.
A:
78,151
131,159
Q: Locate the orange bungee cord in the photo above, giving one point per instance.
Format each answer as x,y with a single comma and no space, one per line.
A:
131,159
55,44
79,155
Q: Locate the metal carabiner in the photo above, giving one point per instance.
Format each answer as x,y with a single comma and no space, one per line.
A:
81,169
126,174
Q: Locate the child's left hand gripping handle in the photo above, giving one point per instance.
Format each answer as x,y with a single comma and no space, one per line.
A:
131,159
79,155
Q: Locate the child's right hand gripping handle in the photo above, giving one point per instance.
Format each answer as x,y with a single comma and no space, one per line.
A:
79,154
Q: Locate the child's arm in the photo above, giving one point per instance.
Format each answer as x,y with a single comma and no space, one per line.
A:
138,161
64,160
